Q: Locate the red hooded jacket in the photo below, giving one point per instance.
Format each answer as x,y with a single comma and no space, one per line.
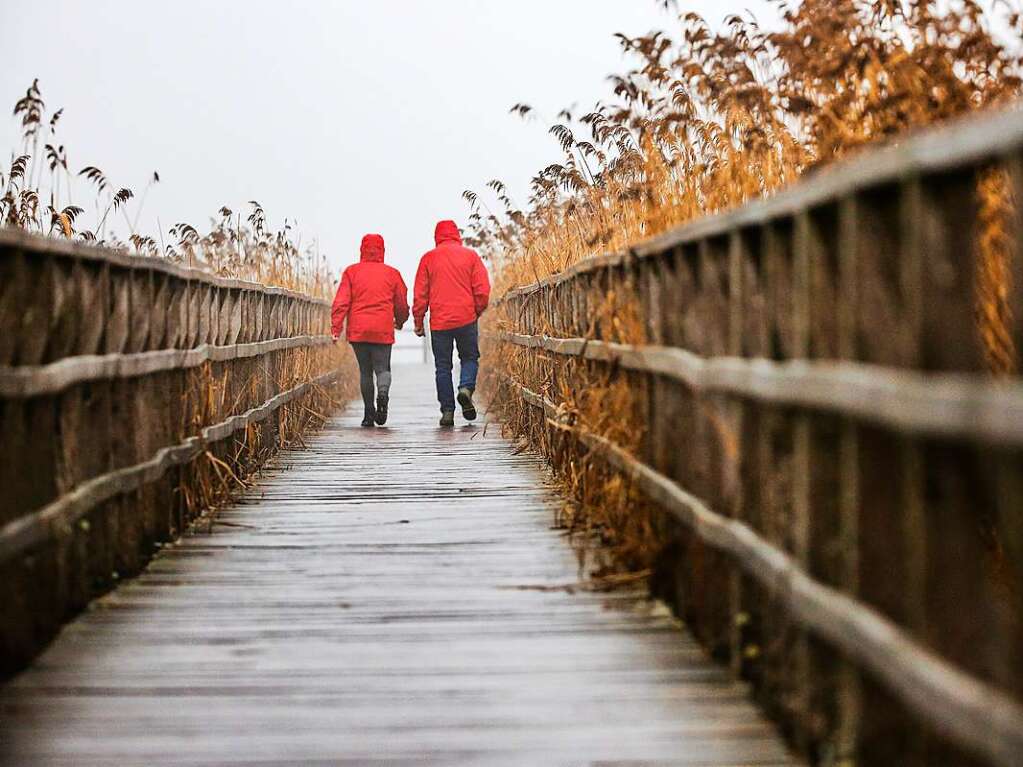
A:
451,283
372,296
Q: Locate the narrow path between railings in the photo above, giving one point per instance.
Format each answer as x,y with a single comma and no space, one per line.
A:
383,596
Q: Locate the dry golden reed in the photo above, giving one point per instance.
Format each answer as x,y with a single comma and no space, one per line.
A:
37,195
215,392
704,121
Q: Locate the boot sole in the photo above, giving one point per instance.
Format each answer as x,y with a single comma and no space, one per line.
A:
468,409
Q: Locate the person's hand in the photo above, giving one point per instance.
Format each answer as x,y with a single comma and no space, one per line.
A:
398,325
420,331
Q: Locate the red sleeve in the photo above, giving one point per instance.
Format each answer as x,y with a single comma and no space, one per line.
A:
400,300
480,286
342,302
421,293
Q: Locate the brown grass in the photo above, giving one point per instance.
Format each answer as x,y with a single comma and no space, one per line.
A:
216,392
36,195
703,122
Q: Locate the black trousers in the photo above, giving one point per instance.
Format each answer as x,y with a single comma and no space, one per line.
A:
374,359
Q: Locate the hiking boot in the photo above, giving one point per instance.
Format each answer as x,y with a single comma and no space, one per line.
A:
465,400
369,420
447,417
381,417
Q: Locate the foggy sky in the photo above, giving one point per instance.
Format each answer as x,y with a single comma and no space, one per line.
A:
348,116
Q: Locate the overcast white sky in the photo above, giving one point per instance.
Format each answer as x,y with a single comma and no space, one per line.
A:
349,116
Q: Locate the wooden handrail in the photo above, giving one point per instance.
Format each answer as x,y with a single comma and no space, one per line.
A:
38,246
818,366
21,381
107,361
942,405
974,714
961,143
36,527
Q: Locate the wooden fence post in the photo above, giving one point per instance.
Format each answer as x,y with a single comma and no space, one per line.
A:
848,532
804,242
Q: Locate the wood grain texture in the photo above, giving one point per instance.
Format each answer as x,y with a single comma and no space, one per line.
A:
23,381
976,715
948,405
384,596
34,528
39,246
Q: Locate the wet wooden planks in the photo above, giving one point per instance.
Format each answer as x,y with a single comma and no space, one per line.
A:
374,601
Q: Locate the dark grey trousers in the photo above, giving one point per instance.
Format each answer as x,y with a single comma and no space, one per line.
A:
374,359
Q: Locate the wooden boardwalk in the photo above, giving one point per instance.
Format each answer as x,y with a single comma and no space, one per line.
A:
365,605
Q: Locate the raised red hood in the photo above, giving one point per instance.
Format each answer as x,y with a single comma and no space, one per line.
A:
447,231
371,299
451,283
372,248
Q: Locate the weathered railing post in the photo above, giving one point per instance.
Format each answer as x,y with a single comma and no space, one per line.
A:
844,472
126,383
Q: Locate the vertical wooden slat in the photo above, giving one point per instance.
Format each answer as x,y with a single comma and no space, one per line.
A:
235,318
139,301
799,531
771,462
193,309
206,307
848,681
33,320
13,293
119,312
950,340
734,464
157,310
914,523
66,317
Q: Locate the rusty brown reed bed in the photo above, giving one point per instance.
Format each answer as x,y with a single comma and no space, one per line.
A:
38,196
122,444
704,121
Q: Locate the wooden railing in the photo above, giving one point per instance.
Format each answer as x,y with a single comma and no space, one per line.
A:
127,386
845,475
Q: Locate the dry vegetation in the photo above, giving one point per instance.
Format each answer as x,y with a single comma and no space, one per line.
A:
38,195
704,121
213,393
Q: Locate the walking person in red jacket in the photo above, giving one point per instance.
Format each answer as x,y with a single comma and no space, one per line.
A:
452,284
372,298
